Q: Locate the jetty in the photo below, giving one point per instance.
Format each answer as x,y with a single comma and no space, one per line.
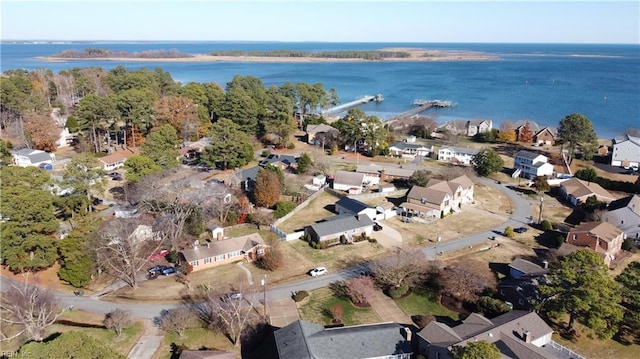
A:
346,106
421,106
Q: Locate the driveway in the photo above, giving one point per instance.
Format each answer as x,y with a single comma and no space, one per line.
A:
387,237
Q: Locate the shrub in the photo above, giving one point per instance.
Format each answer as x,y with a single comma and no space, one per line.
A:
272,259
291,146
299,296
265,153
491,308
421,321
399,291
546,225
372,240
627,245
283,208
559,241
508,232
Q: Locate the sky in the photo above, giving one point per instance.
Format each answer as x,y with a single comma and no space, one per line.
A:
471,21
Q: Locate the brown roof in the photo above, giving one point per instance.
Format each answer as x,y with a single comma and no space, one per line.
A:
353,179
463,180
602,230
320,128
212,249
429,194
579,189
118,156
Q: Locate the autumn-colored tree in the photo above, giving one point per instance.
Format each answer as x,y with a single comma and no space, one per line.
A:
359,289
179,112
337,313
464,281
41,131
525,134
507,132
267,188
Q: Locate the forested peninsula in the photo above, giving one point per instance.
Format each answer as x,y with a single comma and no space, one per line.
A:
392,54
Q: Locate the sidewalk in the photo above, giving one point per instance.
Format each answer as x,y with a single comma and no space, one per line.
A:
387,309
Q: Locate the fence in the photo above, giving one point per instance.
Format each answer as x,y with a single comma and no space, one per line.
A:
298,208
566,350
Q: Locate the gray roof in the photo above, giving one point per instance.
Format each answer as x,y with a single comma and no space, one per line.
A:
250,173
353,179
463,150
404,145
274,158
623,138
353,206
212,249
527,154
319,128
624,213
526,267
302,339
341,223
35,156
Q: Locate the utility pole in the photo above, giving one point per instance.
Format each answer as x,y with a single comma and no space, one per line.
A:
263,281
541,203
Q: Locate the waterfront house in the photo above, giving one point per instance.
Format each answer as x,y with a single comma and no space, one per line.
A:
306,340
624,214
410,150
457,155
330,229
315,134
348,181
532,165
546,136
626,152
439,197
224,251
474,127
28,157
601,237
577,191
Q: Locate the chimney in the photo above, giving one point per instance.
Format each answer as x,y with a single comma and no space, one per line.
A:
545,264
208,244
383,175
358,217
526,336
406,333
219,236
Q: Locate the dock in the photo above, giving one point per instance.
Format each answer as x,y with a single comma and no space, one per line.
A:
346,106
421,106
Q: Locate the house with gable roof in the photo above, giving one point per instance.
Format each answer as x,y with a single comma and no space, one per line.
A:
410,150
601,237
439,197
626,151
316,133
457,155
546,136
577,191
478,126
532,164
624,214
224,251
27,157
346,205
517,334
349,181
330,229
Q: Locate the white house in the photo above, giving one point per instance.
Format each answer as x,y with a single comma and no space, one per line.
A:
352,206
28,157
478,126
348,181
626,151
410,150
457,155
532,164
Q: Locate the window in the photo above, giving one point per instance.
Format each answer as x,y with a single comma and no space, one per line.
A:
220,258
194,263
234,254
207,260
260,251
575,236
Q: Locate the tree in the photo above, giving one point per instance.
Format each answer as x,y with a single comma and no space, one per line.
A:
138,166
465,281
507,132
95,115
162,147
630,281
491,307
28,308
487,137
509,232
283,208
579,285
179,113
178,320
117,320
5,152
85,176
540,184
587,174
77,260
476,350
41,131
242,108
272,259
359,289
401,268
230,147
487,161
304,162
267,188
576,130
525,134
420,178
69,345
135,107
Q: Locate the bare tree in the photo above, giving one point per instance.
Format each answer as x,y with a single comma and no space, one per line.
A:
453,172
29,308
465,281
117,320
178,320
123,246
401,268
222,200
359,289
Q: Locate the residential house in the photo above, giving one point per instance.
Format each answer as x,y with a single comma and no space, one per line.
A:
603,150
354,207
523,268
316,133
626,152
577,191
330,229
439,197
521,124
521,293
624,214
478,126
518,334
212,254
532,165
286,163
457,155
546,136
28,157
191,150
349,181
455,127
601,237
374,173
116,159
410,150
305,340
136,233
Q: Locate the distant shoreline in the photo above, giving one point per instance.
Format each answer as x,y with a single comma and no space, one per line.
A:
415,55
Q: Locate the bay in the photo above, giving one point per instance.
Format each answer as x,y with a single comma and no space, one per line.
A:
537,82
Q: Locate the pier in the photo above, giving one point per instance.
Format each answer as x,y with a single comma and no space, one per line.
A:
421,106
349,105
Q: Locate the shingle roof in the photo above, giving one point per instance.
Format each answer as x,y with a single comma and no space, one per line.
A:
353,179
631,201
352,205
527,154
526,267
436,332
602,230
242,243
579,188
35,156
302,340
404,145
341,223
463,150
319,128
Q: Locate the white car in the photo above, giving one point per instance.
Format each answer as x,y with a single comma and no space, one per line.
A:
315,272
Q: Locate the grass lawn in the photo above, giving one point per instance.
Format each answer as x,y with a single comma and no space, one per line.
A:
318,309
593,347
423,302
193,339
321,207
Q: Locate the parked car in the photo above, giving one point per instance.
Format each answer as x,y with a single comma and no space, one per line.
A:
169,271
231,296
157,269
315,272
158,255
377,227
520,229
115,176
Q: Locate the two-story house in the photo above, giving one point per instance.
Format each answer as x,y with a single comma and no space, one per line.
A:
601,237
546,136
532,165
478,126
439,197
626,152
624,214
410,150
457,155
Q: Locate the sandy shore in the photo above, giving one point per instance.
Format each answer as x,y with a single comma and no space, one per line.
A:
415,55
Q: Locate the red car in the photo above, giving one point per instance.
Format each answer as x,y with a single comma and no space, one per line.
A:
158,255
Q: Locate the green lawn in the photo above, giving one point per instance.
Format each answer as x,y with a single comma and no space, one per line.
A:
318,309
193,339
423,301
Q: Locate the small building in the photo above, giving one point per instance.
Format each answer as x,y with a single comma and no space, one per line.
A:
601,237
316,133
521,293
457,155
410,150
354,207
374,173
319,180
348,181
116,159
219,252
577,191
624,214
546,136
28,157
330,229
626,152
532,165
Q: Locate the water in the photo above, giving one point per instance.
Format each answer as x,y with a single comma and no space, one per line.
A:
538,82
